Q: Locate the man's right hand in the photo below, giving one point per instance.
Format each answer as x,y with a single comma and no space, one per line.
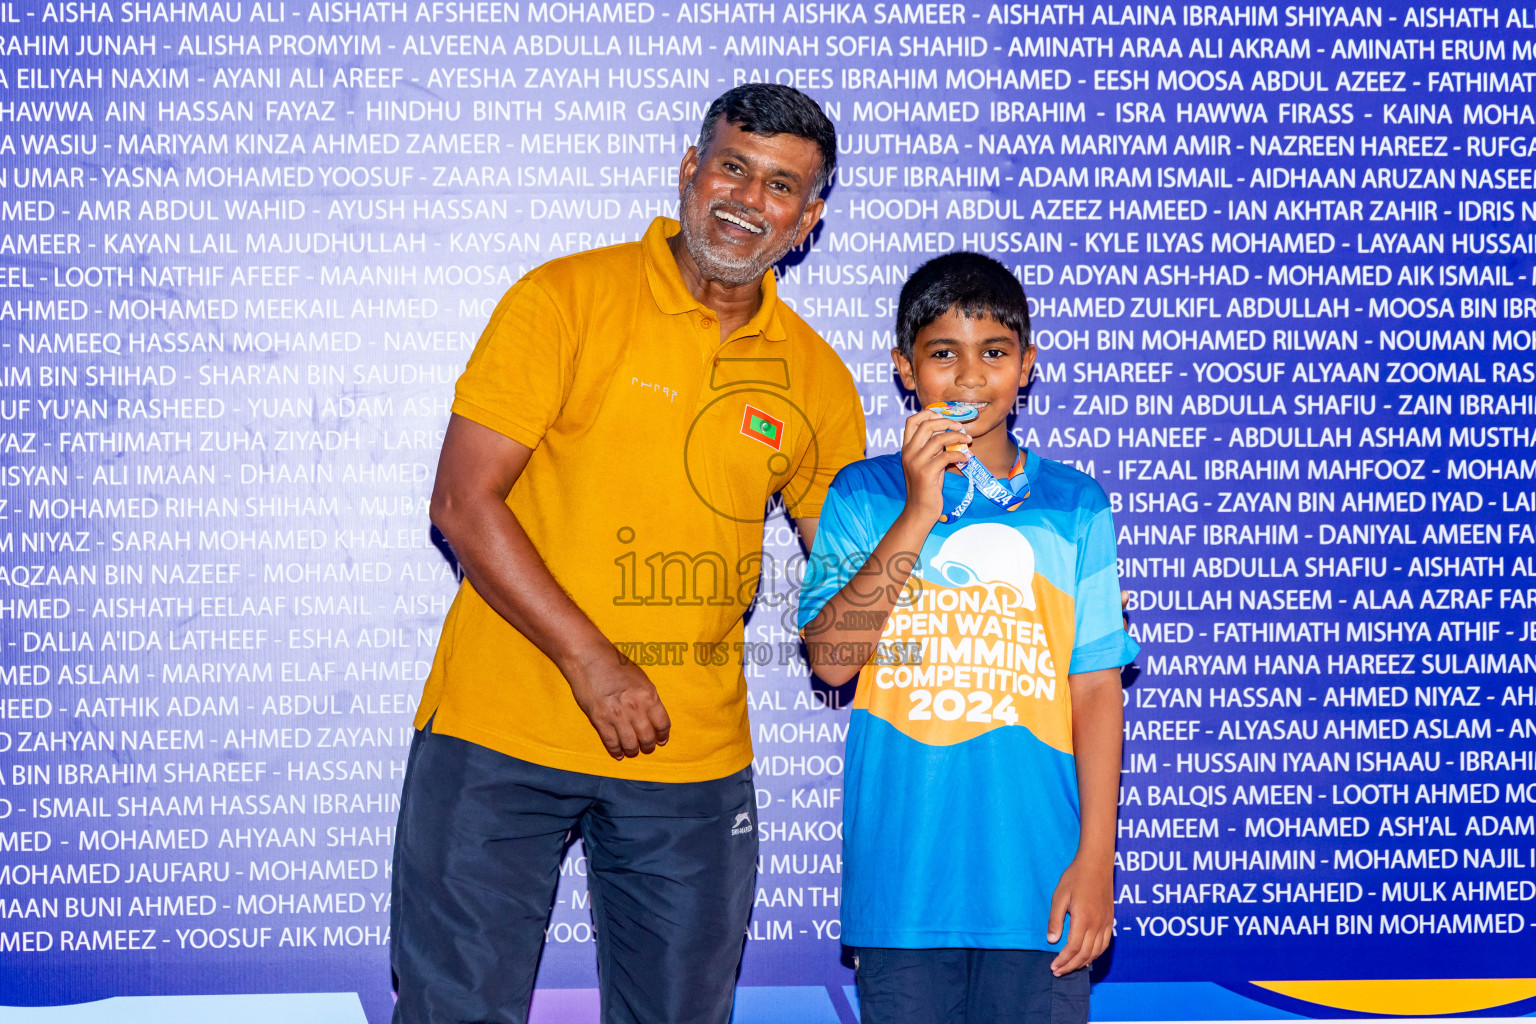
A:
622,704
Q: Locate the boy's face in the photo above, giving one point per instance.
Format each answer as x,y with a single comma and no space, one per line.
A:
957,358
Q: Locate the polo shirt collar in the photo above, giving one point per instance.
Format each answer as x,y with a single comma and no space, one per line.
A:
672,295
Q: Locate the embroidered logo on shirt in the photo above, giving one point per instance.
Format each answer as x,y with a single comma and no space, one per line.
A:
759,426
670,393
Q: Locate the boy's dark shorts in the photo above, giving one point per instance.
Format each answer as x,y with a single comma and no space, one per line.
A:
967,986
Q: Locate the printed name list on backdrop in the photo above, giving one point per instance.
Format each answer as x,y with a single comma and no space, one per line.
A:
1280,260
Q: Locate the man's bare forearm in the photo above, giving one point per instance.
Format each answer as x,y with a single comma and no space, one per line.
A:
506,570
475,473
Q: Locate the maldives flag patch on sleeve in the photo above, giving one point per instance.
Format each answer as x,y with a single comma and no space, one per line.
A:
759,426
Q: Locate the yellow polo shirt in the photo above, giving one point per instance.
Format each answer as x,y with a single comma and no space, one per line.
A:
656,449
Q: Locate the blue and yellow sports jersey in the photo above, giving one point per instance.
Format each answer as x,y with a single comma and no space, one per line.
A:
960,805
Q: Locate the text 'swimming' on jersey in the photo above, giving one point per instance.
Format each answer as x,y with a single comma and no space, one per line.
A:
961,807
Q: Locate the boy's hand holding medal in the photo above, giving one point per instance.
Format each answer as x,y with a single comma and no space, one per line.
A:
933,440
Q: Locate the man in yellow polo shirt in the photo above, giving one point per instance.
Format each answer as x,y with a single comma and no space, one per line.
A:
623,422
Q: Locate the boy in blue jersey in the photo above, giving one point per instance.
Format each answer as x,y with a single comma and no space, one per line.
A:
972,587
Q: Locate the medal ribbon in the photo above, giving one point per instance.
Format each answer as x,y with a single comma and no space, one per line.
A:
1007,495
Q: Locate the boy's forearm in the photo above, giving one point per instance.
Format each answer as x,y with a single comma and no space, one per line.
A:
838,645
1098,717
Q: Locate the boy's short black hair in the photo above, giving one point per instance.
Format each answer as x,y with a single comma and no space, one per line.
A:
974,284
764,108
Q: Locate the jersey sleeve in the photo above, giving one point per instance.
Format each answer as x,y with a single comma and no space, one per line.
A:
841,548
521,370
1100,639
839,442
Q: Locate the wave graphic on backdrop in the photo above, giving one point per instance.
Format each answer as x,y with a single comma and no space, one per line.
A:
1408,997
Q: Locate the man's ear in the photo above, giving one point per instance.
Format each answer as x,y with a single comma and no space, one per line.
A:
686,170
904,369
1027,365
810,218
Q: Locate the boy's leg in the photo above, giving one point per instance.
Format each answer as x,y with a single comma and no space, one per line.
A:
1016,986
671,868
477,858
912,986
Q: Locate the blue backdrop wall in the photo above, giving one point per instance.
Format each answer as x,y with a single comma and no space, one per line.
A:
1280,263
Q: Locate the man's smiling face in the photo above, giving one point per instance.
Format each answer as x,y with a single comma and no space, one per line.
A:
746,201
